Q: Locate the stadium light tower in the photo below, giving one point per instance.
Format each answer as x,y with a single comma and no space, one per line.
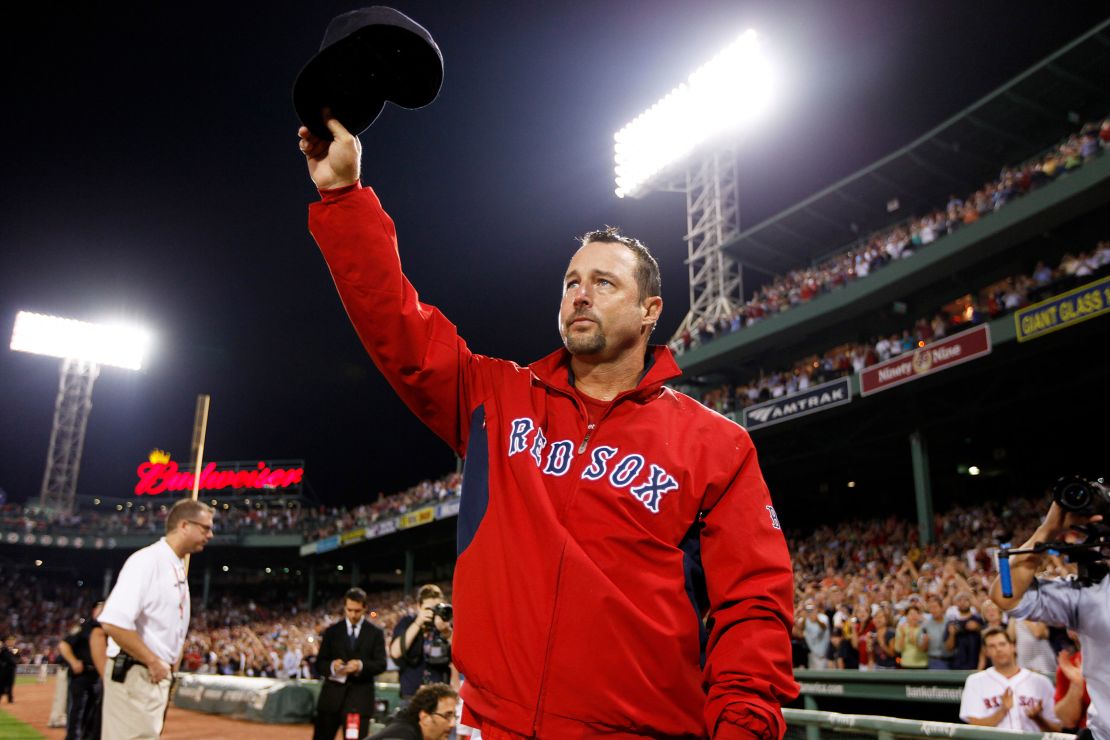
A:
83,348
686,143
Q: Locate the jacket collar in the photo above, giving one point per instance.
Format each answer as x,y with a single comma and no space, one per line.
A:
659,367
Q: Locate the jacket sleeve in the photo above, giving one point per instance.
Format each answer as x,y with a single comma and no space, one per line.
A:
325,656
748,667
413,345
373,661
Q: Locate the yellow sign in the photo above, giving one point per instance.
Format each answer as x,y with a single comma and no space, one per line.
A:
353,536
418,517
1064,310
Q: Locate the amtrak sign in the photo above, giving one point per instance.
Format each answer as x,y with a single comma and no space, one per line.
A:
818,398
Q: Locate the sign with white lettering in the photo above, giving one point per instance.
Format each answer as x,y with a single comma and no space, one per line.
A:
818,398
932,358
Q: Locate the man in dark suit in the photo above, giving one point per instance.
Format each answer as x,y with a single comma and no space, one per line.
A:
352,652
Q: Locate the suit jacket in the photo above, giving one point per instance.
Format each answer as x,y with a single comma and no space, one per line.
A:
357,693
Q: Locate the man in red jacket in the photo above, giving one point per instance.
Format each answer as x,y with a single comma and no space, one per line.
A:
621,572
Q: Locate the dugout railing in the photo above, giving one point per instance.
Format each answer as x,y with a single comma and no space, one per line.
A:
808,724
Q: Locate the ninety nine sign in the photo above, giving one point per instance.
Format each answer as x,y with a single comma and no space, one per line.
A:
818,398
161,475
948,352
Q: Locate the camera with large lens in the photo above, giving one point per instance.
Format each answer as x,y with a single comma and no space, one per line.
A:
1082,496
437,648
443,611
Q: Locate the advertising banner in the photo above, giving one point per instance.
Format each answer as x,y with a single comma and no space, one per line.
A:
1064,310
932,358
818,398
353,536
328,544
418,517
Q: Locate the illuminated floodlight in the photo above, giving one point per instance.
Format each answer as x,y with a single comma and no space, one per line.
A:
102,344
731,90
83,348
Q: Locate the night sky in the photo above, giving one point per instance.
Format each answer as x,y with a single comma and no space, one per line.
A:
151,173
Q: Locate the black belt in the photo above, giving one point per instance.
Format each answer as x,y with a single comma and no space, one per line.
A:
122,664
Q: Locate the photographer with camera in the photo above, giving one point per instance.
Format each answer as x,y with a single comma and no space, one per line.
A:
1082,605
421,644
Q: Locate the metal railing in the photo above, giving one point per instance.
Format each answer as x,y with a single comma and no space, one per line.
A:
807,724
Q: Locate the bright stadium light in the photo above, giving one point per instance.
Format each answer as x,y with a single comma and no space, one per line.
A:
730,91
83,348
102,344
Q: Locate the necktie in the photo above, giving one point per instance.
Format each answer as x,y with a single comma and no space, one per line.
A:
352,638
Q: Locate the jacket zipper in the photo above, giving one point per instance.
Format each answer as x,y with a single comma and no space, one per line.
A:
586,440
542,689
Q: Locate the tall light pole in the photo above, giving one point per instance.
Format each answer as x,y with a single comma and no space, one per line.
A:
685,143
83,348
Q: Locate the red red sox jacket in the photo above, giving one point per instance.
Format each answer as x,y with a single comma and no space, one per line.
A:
628,578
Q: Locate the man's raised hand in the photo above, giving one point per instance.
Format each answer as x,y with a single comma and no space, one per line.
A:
335,163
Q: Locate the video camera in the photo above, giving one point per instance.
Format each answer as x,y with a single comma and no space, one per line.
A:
1080,496
1085,497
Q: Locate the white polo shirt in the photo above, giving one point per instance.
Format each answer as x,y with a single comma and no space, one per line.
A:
151,596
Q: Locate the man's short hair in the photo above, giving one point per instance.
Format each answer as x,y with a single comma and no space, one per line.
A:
431,591
185,510
355,594
426,699
648,280
991,631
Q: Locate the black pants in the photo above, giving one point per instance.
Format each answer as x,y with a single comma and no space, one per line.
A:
327,725
83,709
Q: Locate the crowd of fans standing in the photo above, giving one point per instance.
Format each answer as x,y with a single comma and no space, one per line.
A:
1001,298
869,596
873,252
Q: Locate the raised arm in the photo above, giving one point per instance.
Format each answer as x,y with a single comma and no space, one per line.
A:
414,346
1024,567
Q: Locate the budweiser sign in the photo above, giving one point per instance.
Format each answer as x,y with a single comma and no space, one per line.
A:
160,474
940,355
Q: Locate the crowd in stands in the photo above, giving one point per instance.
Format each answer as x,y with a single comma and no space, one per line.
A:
314,522
276,639
38,612
999,299
424,493
264,632
865,593
901,241
869,596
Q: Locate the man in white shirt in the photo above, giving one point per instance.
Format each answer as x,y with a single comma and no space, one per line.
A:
147,617
1007,695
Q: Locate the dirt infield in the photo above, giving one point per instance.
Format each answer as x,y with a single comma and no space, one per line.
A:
32,705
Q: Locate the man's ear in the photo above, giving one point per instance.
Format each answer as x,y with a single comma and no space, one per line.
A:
652,309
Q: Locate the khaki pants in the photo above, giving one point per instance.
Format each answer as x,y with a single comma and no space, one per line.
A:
134,709
58,706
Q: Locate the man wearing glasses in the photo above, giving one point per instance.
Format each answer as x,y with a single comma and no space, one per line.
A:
430,715
146,617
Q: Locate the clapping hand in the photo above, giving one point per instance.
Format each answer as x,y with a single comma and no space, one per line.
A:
1072,671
